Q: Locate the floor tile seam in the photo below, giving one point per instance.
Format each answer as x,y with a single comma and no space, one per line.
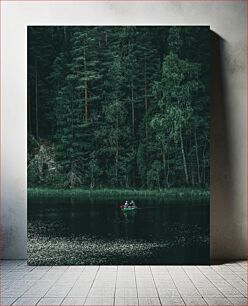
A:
229,283
237,298
188,297
26,290
204,298
155,286
237,273
232,272
236,267
39,298
87,295
30,268
212,284
44,293
175,286
72,298
220,268
193,283
115,284
14,300
231,302
221,298
49,268
72,284
136,285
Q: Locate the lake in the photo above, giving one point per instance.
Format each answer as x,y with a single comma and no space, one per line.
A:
95,231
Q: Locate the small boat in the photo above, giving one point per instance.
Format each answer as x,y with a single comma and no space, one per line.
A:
130,208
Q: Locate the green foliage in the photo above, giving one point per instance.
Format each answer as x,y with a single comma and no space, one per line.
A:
170,194
122,107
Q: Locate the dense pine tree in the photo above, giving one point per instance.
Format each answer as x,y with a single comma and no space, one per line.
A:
119,106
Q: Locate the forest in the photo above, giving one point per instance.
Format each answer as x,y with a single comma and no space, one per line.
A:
118,107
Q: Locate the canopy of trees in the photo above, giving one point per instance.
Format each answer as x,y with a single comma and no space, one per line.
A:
119,106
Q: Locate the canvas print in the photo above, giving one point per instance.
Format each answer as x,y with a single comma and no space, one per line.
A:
118,145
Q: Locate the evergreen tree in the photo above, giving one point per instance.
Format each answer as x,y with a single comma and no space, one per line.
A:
179,84
119,106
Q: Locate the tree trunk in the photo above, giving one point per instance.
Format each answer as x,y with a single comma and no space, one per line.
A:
86,101
192,176
92,180
65,36
29,109
197,159
146,102
203,174
72,118
167,175
85,91
164,167
117,150
132,101
36,101
126,181
116,161
184,158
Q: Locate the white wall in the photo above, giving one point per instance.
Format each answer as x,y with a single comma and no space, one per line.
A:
229,143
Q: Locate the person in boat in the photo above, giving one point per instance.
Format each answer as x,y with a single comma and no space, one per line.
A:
132,204
126,204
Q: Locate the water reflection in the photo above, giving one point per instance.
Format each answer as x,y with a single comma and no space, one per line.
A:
181,227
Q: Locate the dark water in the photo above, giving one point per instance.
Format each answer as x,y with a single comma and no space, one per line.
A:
175,232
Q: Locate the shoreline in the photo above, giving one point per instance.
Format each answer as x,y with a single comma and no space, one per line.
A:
173,193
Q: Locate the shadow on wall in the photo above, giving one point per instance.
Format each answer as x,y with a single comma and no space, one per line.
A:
223,226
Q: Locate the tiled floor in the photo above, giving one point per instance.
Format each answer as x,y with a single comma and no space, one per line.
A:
123,285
